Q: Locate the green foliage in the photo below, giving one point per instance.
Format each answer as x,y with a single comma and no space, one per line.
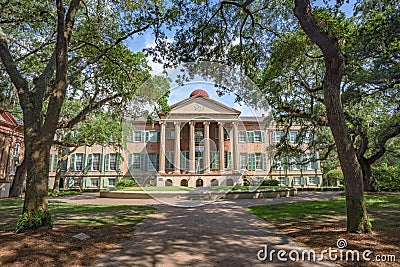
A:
39,219
126,183
385,178
270,183
334,175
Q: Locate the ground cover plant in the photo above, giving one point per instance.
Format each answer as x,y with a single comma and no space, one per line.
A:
319,224
107,225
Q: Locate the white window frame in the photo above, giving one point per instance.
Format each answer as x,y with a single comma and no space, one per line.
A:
293,136
257,137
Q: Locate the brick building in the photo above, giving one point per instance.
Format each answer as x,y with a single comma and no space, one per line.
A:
201,142
11,152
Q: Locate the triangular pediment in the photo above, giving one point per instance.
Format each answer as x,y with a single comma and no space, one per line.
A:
202,105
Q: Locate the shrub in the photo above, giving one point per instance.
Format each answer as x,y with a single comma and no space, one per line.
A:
334,175
270,183
385,178
39,219
126,183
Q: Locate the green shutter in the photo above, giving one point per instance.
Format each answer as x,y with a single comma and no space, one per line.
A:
183,160
117,162
143,162
215,160
132,139
251,161
229,159
147,134
302,180
105,182
55,162
263,136
50,158
314,164
285,163
89,162
317,180
83,161
287,180
216,133
264,161
250,137
88,182
72,162
158,136
107,162
143,136
101,162
130,162
70,182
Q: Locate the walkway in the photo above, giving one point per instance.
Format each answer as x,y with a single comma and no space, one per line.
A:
222,233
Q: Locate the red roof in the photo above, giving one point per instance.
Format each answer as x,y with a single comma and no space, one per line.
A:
6,117
199,92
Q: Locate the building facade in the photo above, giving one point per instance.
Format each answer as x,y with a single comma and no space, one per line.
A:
11,153
201,142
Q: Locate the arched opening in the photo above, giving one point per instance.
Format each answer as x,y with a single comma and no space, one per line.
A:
199,183
168,182
214,182
229,182
184,182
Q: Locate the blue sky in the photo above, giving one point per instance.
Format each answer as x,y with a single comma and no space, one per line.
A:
146,40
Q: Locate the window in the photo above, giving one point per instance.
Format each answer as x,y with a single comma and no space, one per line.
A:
283,180
243,161
95,182
292,137
227,160
113,162
313,180
153,136
250,137
170,134
15,158
95,162
293,164
276,136
297,180
258,137
134,162
153,162
137,136
214,160
198,136
77,182
226,134
258,162
169,162
309,137
184,160
313,163
278,165
111,182
242,137
79,162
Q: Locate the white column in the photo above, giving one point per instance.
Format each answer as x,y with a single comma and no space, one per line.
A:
191,147
161,159
235,148
177,154
206,146
221,147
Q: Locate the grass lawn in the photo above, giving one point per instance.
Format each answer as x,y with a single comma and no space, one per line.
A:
320,223
107,225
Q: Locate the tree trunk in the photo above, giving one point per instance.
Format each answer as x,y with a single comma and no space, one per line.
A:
367,173
18,182
357,218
